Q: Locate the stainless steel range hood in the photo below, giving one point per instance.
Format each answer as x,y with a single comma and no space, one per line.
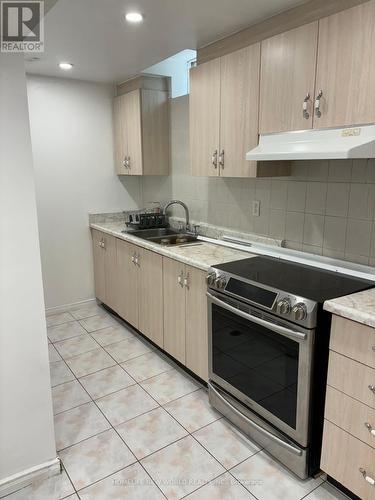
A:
334,143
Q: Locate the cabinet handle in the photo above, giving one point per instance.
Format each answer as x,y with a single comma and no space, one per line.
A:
318,99
373,348
370,428
221,159
124,162
186,281
372,388
305,106
133,258
128,162
137,256
180,279
367,478
214,159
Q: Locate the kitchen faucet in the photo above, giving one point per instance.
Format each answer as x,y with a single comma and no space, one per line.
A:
178,202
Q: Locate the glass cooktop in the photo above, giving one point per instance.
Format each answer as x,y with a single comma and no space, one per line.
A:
305,281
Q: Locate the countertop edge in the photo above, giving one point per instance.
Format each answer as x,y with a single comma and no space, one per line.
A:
161,250
350,312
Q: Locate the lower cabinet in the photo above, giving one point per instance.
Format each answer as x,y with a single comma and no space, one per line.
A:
150,295
140,285
161,297
105,268
348,450
127,273
185,315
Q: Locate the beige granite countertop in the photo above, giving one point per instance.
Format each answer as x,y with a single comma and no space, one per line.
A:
358,307
201,255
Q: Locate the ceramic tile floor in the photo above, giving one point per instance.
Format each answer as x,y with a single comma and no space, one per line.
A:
130,424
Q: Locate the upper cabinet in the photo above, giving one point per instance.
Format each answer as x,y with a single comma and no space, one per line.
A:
346,67
287,82
141,126
320,75
224,112
204,106
239,111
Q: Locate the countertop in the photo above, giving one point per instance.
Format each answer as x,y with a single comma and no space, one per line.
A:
359,307
202,255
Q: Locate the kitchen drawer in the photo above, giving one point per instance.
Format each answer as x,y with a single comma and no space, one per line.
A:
350,415
352,378
342,458
354,340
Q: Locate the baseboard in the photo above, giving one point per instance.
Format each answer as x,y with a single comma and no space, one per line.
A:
66,307
22,479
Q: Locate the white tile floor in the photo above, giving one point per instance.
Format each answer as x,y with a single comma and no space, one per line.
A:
130,424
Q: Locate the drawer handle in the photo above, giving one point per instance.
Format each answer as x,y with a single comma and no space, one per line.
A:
372,388
367,478
373,348
370,428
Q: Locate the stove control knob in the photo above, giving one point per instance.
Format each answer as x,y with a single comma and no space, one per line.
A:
299,311
210,279
220,282
284,306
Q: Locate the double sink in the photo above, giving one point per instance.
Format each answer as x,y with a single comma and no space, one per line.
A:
165,236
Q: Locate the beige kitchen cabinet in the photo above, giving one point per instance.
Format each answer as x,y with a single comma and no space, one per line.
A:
346,67
141,126
150,295
204,112
196,322
129,279
127,272
105,271
348,451
185,315
174,308
287,81
224,110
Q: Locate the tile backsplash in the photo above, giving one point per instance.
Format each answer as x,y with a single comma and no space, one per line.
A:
325,207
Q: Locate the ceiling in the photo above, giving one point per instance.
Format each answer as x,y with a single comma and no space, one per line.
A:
91,34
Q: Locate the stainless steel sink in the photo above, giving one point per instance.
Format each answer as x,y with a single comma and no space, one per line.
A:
164,236
145,234
174,239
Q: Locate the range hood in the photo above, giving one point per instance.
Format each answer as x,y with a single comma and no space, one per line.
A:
327,144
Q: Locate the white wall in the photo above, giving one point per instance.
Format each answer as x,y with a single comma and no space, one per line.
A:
72,140
26,422
176,67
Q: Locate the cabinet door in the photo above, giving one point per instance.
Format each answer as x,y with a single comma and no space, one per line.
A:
288,65
196,323
99,272
120,136
110,271
239,110
127,282
346,67
174,308
204,106
150,295
132,103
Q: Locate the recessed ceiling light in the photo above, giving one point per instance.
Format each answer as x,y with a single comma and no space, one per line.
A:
134,17
65,65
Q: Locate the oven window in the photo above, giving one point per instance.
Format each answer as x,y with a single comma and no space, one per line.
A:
258,362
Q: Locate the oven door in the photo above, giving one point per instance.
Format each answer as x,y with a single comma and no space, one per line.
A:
263,361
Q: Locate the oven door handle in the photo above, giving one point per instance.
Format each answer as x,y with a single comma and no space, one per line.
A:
286,332
265,432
